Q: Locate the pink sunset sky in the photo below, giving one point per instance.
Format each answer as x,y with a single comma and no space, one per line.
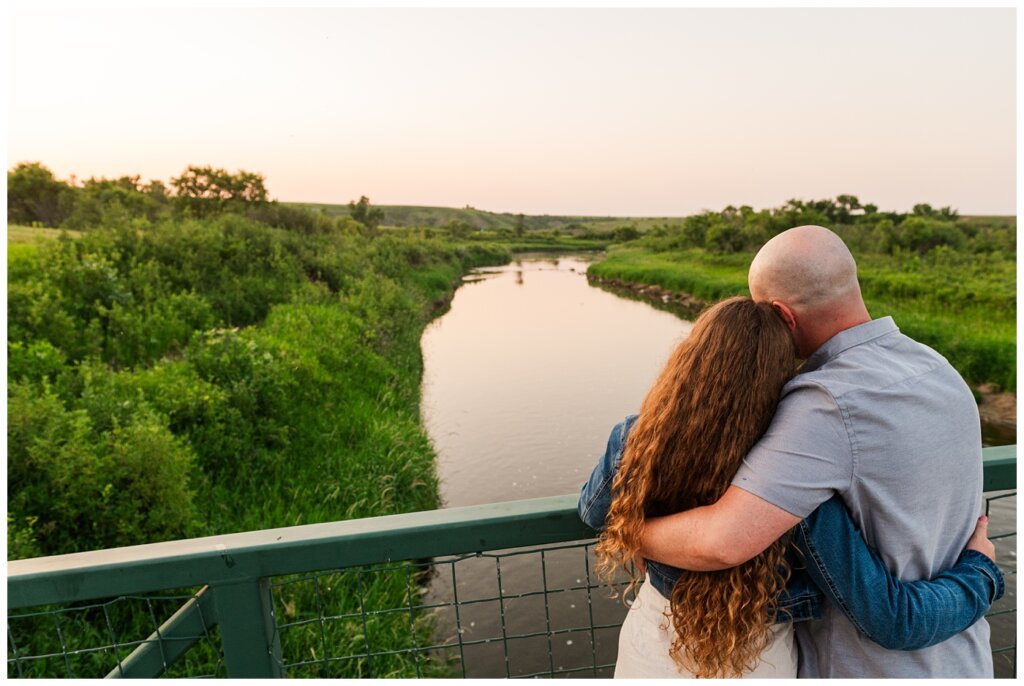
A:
657,112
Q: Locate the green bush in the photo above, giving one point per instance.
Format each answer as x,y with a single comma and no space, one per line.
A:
33,361
83,488
920,235
251,369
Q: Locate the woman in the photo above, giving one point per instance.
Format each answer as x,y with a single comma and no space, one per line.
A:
711,403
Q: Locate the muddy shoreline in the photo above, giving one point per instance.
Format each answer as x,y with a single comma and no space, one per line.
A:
998,410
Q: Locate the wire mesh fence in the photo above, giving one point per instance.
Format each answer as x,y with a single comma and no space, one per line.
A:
90,640
538,611
517,613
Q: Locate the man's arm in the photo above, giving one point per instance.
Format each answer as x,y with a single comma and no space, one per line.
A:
730,532
803,458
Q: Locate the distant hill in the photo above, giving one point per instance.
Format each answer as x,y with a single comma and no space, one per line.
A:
414,215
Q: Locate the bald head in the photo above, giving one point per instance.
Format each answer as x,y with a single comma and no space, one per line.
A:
808,268
810,277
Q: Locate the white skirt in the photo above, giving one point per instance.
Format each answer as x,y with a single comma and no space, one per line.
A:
646,636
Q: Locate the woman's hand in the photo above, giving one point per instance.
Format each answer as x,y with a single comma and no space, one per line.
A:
979,539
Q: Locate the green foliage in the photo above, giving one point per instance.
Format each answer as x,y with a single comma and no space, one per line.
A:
21,539
116,202
236,372
85,488
292,218
695,271
863,227
459,230
480,220
34,195
520,227
204,191
724,236
362,212
918,234
625,233
33,361
942,214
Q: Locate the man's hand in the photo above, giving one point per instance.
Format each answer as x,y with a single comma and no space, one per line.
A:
730,532
979,540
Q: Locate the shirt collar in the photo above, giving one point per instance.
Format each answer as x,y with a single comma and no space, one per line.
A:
848,338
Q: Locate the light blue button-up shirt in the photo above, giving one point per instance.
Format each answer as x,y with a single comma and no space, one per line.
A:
888,424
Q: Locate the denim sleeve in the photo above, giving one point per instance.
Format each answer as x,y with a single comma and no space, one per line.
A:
898,615
596,494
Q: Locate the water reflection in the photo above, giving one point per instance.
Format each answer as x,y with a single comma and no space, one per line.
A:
527,373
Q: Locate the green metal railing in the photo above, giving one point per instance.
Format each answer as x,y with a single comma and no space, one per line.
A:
506,589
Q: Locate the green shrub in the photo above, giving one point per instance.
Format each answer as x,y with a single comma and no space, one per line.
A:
33,361
85,489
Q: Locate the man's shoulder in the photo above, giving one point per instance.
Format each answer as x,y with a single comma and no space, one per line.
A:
810,388
891,360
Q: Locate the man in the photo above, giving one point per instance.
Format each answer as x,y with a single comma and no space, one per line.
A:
873,415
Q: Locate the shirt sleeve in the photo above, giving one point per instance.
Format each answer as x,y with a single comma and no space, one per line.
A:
596,494
898,615
805,456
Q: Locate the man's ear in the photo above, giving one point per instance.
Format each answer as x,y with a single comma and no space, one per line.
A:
786,313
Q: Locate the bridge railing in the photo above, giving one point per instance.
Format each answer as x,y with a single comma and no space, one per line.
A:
506,589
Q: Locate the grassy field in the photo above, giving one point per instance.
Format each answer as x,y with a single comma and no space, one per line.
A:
963,306
35,234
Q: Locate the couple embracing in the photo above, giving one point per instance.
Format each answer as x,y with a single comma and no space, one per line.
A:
821,522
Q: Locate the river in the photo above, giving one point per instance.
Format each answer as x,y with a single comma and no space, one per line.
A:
523,379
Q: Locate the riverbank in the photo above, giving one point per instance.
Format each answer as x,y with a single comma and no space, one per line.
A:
227,376
998,412
978,336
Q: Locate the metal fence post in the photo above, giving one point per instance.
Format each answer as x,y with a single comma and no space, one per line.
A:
252,647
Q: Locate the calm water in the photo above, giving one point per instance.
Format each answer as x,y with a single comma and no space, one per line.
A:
526,375
523,379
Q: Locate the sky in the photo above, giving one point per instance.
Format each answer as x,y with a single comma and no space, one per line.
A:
656,112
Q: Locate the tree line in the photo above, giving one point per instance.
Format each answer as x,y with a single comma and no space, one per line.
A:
863,226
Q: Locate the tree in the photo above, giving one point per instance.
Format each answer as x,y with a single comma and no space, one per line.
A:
844,208
34,195
724,235
695,229
208,190
113,202
850,202
520,225
923,234
362,212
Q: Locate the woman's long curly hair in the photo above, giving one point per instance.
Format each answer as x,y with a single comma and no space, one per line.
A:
711,403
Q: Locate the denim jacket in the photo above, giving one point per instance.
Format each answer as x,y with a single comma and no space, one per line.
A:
838,565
